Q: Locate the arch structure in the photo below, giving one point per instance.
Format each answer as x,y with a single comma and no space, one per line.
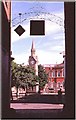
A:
37,13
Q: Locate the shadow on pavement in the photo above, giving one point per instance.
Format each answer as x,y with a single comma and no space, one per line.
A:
38,113
42,113
40,98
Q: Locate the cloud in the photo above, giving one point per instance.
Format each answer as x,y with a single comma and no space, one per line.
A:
53,33
60,36
56,48
46,57
15,37
21,58
51,28
61,15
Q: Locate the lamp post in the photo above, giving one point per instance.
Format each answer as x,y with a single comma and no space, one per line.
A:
55,79
64,65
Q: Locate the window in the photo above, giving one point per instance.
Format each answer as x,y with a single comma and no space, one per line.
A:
53,74
62,72
58,74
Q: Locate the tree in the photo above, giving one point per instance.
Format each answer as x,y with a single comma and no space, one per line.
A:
14,72
28,78
42,76
22,76
14,75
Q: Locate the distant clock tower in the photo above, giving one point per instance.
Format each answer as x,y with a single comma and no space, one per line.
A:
33,59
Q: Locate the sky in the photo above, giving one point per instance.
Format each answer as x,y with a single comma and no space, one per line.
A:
49,46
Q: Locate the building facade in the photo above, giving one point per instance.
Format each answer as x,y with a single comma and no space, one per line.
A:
55,76
55,71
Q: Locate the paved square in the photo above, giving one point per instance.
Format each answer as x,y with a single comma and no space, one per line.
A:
35,106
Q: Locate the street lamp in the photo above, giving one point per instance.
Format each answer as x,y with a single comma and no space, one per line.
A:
64,63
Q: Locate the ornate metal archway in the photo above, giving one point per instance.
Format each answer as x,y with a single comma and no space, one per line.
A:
37,12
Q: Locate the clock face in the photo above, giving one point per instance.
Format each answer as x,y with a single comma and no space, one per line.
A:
32,62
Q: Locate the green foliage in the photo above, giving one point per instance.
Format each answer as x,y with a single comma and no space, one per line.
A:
22,75
14,76
42,76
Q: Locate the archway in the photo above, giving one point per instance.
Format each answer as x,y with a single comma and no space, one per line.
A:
39,13
69,83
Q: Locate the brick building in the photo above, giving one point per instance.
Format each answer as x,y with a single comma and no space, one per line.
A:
55,75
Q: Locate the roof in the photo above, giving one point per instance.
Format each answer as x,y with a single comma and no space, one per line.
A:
48,65
54,65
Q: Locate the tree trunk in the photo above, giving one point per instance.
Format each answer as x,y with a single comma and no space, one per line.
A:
17,92
25,90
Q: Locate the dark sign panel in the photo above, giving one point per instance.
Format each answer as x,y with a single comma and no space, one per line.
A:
19,30
37,27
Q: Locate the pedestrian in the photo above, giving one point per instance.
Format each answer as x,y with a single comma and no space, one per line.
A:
11,95
60,96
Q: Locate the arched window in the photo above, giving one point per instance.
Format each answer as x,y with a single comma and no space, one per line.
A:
53,74
58,73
